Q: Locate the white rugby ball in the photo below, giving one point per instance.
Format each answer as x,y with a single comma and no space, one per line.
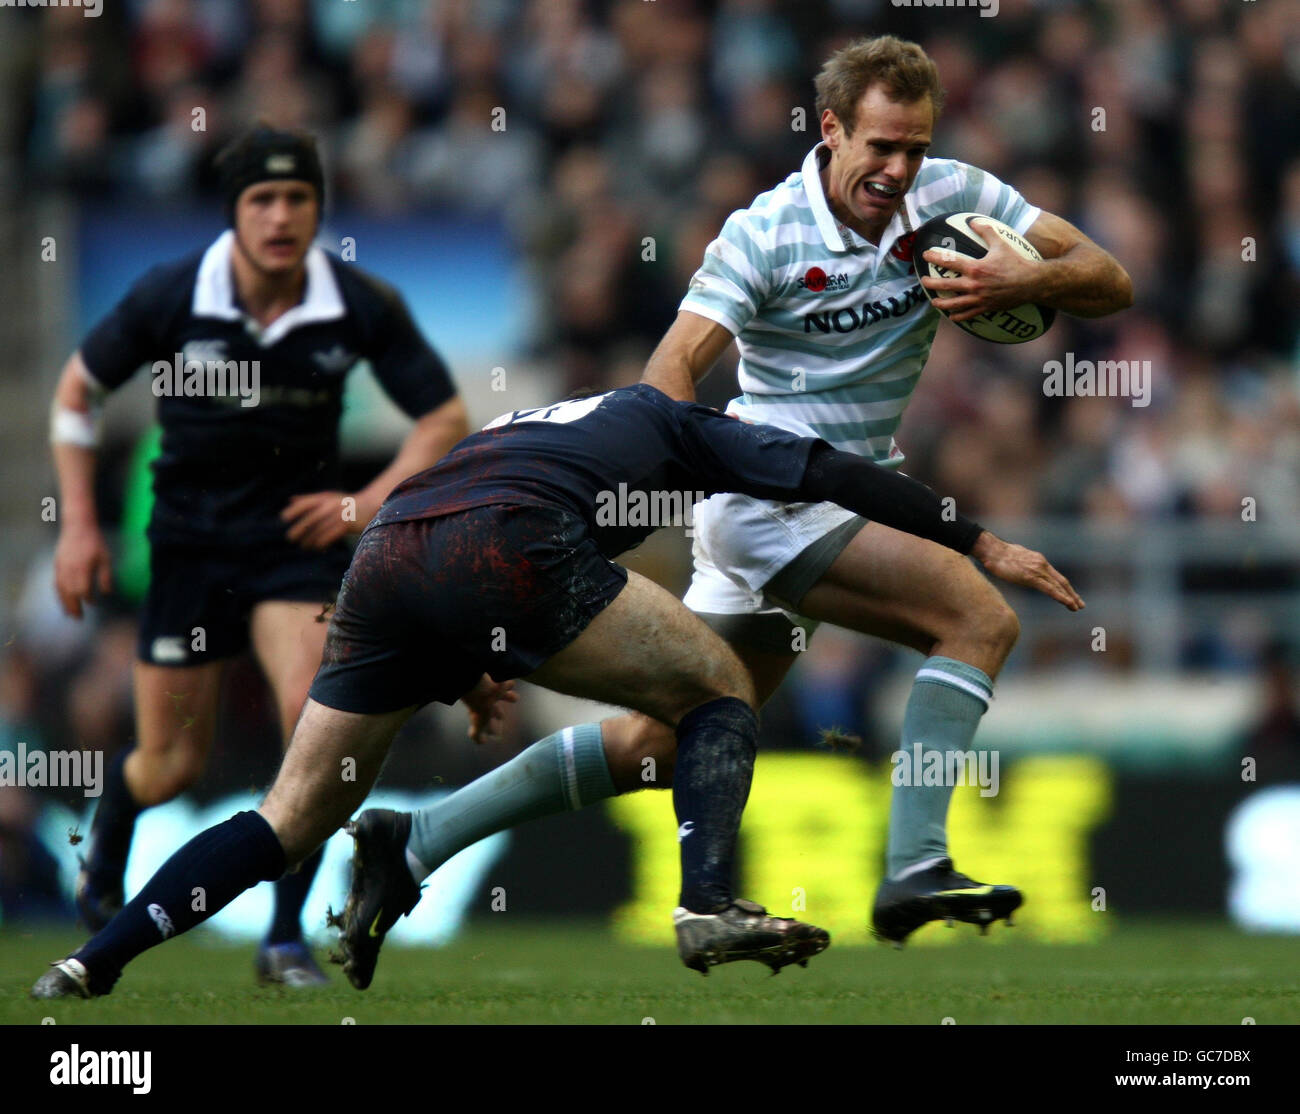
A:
952,232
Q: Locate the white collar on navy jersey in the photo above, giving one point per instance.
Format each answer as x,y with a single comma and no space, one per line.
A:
837,235
214,293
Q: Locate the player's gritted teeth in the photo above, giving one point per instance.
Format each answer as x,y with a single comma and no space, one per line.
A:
881,194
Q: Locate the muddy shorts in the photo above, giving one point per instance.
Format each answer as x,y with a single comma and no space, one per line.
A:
430,605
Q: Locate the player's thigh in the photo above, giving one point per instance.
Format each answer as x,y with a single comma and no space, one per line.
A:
332,762
631,739
646,651
288,639
908,590
176,707
176,718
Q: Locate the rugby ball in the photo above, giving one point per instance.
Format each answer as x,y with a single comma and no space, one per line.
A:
952,232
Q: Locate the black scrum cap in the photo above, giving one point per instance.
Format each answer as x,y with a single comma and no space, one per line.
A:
263,153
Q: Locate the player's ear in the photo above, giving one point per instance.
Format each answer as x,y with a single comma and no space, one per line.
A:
832,130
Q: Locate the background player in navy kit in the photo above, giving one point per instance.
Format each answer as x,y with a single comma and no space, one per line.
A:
247,528
504,537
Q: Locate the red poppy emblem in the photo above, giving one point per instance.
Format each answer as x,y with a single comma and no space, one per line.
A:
902,248
815,279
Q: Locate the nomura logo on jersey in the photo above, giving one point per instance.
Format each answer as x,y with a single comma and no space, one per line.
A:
202,371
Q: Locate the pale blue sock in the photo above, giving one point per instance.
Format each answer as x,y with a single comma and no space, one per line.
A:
943,711
566,770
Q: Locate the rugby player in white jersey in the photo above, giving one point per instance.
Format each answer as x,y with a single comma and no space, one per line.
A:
815,283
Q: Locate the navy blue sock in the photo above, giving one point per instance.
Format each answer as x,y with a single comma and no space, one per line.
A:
112,828
290,896
204,876
711,777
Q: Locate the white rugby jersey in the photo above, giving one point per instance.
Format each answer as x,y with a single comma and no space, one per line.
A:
833,331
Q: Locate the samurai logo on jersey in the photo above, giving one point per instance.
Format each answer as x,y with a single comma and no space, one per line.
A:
848,319
818,281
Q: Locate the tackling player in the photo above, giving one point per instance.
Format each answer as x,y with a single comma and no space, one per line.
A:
815,283
250,342
498,561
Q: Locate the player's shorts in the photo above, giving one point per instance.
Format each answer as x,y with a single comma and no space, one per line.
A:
430,605
756,559
200,598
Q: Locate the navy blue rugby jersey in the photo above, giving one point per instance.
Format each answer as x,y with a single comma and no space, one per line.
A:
626,462
250,416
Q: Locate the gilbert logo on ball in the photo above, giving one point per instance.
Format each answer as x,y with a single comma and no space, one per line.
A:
952,232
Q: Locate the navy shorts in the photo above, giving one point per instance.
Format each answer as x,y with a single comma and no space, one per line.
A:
200,598
430,605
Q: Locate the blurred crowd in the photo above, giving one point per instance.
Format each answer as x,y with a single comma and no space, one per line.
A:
613,137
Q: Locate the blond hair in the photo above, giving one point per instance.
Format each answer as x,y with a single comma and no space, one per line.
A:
902,67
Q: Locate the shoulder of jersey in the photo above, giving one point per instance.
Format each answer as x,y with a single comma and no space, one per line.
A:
352,277
772,207
368,298
174,278
936,185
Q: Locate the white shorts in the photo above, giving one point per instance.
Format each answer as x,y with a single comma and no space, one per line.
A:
742,542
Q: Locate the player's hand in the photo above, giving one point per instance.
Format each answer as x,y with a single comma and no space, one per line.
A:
82,567
1000,279
1018,565
318,520
486,703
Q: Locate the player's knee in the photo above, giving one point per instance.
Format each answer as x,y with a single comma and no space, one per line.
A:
164,780
1006,626
996,628
639,752
733,679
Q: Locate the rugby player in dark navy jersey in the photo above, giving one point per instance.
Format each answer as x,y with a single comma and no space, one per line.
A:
248,344
496,564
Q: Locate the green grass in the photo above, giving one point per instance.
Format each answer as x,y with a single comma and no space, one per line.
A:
576,974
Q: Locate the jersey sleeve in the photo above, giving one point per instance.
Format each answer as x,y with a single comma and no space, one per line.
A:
132,333
726,454
413,375
735,277
985,193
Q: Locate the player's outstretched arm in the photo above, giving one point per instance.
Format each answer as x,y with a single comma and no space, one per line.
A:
906,504
1017,565
82,565
687,353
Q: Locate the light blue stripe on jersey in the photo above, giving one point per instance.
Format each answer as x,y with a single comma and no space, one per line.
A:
838,362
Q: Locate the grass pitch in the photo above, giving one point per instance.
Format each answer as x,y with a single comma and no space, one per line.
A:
1175,973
